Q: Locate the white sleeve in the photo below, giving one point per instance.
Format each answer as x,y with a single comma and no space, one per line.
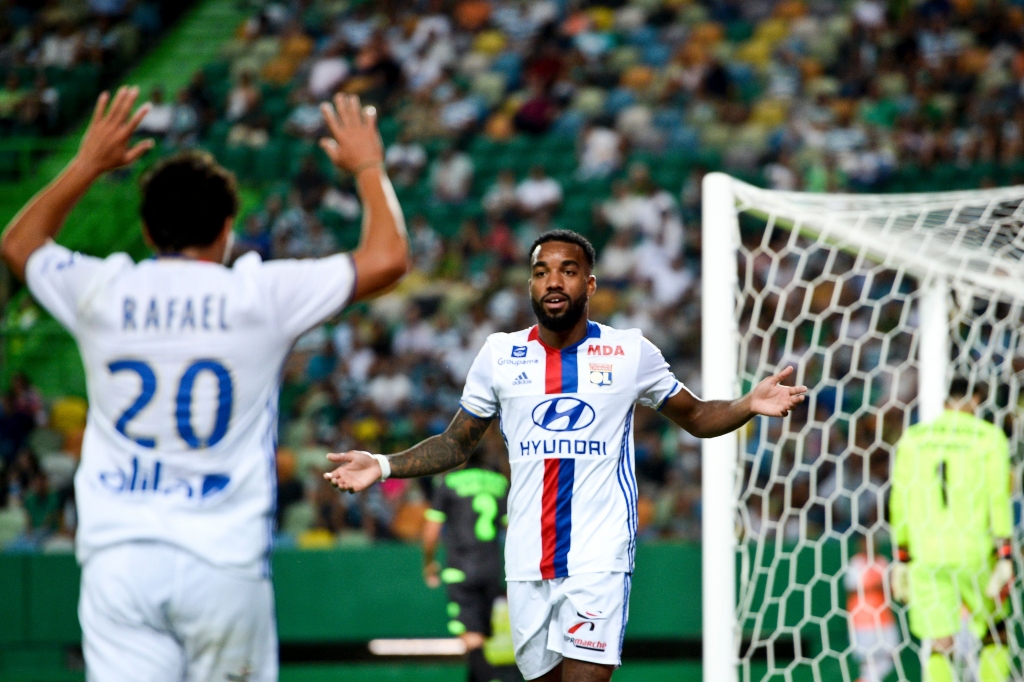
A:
306,292
655,382
478,397
57,277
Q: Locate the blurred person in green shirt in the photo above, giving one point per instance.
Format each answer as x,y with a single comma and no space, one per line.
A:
951,519
42,506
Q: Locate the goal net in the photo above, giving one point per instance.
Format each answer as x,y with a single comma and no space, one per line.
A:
878,302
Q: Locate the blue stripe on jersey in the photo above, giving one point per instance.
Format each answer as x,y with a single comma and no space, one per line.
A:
563,516
570,364
270,443
627,484
570,371
668,395
627,580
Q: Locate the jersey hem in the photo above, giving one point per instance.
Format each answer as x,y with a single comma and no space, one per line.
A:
249,571
538,578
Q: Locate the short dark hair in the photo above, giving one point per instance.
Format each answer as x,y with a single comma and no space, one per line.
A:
569,237
185,200
960,388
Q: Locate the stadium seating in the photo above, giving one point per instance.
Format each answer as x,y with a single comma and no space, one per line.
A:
768,93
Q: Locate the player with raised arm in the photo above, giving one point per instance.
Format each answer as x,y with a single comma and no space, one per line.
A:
176,487
952,519
565,391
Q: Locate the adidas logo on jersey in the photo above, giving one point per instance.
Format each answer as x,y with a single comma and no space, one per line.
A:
521,379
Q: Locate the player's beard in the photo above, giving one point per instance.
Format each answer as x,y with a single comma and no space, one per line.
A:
565,321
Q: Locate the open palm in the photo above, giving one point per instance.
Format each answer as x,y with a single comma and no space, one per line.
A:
358,471
107,141
772,399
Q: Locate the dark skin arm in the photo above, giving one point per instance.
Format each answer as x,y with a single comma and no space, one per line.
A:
711,418
440,453
431,540
702,418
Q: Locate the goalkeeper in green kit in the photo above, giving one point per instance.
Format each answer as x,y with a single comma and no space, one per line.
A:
951,519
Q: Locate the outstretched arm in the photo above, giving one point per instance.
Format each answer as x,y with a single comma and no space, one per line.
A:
358,470
710,418
354,145
104,147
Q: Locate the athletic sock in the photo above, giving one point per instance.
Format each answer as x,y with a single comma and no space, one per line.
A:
939,668
479,669
994,665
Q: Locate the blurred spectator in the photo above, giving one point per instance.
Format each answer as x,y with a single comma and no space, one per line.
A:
501,198
160,118
618,261
185,123
600,152
328,72
452,176
42,506
243,98
538,112
390,388
425,244
11,97
305,120
538,192
405,160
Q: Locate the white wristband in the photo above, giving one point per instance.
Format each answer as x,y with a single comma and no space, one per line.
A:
385,466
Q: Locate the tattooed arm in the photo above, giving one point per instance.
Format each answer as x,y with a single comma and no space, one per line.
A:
358,470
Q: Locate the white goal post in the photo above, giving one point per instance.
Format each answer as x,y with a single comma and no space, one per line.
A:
877,301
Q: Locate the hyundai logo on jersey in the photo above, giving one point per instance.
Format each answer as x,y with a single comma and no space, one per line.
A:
519,351
563,414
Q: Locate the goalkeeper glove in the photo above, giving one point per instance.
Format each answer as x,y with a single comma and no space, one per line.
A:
899,577
1002,574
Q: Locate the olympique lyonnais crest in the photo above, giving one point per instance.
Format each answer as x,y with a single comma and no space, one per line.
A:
600,374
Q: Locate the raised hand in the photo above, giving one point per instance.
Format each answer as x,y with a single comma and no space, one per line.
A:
354,143
105,145
771,399
358,471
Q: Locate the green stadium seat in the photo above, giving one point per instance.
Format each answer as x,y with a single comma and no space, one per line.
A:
272,160
239,159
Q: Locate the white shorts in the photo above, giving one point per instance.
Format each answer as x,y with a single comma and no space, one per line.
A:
582,617
152,612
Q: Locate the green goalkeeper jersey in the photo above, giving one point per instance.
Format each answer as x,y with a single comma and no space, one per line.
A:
951,490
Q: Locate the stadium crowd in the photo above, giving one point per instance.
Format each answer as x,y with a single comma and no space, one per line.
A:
56,56
503,119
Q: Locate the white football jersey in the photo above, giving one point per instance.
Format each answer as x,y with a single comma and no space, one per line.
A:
183,361
567,419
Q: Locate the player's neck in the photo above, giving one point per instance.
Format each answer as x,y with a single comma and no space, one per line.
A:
560,340
206,254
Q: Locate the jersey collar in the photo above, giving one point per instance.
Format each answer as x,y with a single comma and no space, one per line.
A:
593,332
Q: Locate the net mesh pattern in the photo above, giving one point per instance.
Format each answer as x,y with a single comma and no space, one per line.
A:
832,285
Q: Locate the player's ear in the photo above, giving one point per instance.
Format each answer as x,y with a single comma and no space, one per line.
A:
225,240
146,238
591,285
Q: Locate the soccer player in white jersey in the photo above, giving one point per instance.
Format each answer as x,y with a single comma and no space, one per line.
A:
176,488
564,392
